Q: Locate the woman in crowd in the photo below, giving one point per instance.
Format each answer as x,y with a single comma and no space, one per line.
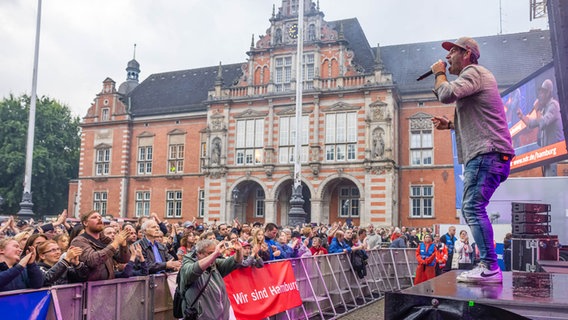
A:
34,241
317,248
258,243
18,272
136,266
60,271
463,250
187,244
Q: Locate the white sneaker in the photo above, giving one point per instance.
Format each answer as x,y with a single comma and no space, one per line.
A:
481,274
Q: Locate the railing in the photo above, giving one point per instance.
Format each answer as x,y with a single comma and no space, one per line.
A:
328,285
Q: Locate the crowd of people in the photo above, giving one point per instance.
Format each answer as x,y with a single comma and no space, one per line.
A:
34,254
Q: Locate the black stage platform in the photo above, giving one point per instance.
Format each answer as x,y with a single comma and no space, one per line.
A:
523,295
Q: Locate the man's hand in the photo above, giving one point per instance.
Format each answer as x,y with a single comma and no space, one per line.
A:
441,123
173,264
438,66
155,217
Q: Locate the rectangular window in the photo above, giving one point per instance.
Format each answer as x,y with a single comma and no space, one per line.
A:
144,160
201,205
175,158
421,201
348,202
250,141
102,162
421,143
341,136
105,114
259,204
287,139
308,68
100,200
283,71
173,204
142,204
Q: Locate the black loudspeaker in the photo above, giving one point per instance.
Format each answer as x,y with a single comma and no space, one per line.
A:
519,207
526,252
558,21
520,217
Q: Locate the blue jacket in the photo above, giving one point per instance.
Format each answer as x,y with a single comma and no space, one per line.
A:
338,247
18,277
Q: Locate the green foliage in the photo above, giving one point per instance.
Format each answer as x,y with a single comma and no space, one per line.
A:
55,158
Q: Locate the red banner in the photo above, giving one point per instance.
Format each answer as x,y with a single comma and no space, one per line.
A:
257,293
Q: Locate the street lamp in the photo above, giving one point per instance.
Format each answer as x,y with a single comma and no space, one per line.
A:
26,205
236,192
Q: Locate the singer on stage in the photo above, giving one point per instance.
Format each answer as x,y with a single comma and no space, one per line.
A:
483,144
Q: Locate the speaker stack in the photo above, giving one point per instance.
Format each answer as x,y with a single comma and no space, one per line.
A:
532,241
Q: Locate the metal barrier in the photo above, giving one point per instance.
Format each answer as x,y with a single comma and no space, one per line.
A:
328,285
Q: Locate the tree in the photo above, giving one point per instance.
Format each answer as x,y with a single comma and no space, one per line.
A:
55,156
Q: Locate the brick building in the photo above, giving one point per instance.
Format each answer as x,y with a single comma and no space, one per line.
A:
217,142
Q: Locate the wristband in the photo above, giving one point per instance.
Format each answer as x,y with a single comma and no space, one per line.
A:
439,73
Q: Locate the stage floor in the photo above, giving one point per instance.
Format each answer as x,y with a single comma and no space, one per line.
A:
532,295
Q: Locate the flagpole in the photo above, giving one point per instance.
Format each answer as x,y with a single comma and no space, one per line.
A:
297,215
26,205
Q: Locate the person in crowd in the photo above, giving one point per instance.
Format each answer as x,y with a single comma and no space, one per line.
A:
18,272
109,232
300,246
159,260
62,241
317,248
34,241
282,241
413,240
441,255
259,241
449,239
338,244
250,256
204,268
187,244
483,144
58,270
464,250
22,237
223,232
270,233
75,231
9,228
136,266
373,239
99,252
398,243
426,257
395,234
507,251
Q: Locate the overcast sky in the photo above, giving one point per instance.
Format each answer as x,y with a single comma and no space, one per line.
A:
84,41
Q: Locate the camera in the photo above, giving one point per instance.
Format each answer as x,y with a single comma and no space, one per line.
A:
228,245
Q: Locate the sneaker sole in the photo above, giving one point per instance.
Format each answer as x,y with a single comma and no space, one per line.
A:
479,281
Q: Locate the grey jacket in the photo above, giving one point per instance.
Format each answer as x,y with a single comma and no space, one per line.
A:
479,119
214,303
549,124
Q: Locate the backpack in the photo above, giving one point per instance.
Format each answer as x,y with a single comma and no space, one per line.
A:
178,300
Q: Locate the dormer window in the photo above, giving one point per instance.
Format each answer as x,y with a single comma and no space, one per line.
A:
105,114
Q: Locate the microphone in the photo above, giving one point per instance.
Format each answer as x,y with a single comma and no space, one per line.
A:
429,73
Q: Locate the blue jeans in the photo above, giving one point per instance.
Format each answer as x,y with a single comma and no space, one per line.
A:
482,175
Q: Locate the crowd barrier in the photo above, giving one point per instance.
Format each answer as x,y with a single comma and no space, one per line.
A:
328,285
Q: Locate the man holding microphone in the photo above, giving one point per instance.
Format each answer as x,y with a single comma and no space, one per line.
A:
483,144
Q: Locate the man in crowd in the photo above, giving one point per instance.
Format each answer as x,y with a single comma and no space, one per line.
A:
338,244
204,271
155,253
373,239
99,251
449,240
483,144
